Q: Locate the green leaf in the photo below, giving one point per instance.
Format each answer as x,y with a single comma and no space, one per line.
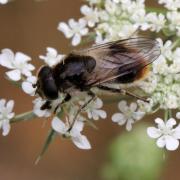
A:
48,141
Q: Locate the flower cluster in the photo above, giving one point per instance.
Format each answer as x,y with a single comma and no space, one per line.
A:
109,20
104,21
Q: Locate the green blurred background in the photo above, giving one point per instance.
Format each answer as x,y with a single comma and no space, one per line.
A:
30,26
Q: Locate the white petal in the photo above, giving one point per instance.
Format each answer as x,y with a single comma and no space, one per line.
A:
10,115
171,143
176,132
10,105
58,125
28,88
32,79
102,114
153,132
26,72
72,23
78,126
2,103
98,103
138,115
6,128
160,123
22,57
119,118
81,142
170,123
178,115
6,58
14,75
76,39
30,67
133,106
52,51
82,22
122,106
161,142
129,124
65,29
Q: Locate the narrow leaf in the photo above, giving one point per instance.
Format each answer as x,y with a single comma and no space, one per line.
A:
48,141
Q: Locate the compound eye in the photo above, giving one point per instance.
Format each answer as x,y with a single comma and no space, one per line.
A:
50,89
47,83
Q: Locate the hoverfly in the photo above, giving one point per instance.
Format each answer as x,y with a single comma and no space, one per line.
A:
122,61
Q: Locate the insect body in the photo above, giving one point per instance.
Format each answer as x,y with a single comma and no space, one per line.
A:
122,61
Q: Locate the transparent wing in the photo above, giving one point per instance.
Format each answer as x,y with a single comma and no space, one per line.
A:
119,58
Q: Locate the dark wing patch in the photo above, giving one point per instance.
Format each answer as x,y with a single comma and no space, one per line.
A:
121,58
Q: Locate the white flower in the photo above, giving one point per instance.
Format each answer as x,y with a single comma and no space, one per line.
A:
3,1
91,15
74,30
94,109
38,102
52,57
6,115
77,138
156,22
129,114
17,62
166,135
174,18
27,85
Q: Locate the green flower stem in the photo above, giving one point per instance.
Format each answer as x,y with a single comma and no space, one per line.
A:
176,43
50,137
167,114
23,117
16,83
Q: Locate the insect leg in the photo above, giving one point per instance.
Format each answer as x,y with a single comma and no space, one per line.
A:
46,105
66,99
90,93
122,91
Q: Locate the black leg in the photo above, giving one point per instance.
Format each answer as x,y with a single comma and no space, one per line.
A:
122,91
46,105
90,93
66,99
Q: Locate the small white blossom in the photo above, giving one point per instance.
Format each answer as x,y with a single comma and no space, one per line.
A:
38,102
74,30
166,135
54,105
91,15
17,62
174,19
129,114
156,22
93,109
75,134
6,115
166,47
27,85
52,57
